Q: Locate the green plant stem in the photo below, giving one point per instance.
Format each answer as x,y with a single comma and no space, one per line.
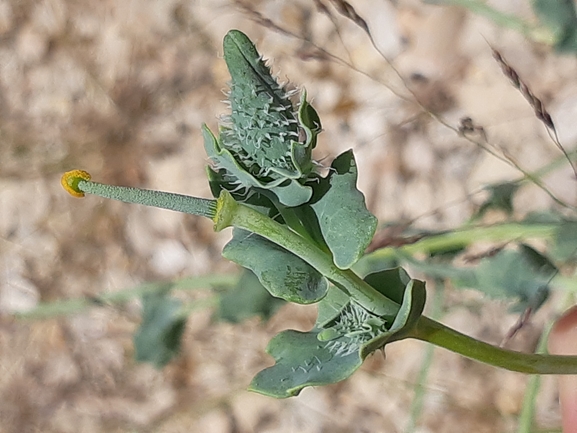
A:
72,306
435,310
440,335
230,213
527,415
462,238
502,19
165,200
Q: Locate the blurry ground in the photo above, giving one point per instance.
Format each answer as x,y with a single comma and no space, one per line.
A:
121,88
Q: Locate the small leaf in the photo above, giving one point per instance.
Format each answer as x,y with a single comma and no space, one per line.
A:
248,299
218,182
289,191
346,224
412,307
501,198
561,18
523,275
282,273
302,360
310,122
537,261
390,282
565,247
158,338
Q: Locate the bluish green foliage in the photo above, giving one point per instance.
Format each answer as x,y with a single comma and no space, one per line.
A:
159,336
501,198
523,275
263,157
247,299
565,247
330,209
301,235
344,335
561,18
345,223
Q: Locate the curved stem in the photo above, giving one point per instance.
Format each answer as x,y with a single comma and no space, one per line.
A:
230,213
288,215
440,335
227,212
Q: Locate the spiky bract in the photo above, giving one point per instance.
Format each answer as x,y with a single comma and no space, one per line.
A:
264,143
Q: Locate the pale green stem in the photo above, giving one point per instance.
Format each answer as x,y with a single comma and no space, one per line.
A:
461,238
165,200
230,213
233,214
440,335
435,310
526,417
72,306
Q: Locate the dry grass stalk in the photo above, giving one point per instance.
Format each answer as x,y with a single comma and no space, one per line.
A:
468,126
537,105
322,8
535,102
348,11
260,19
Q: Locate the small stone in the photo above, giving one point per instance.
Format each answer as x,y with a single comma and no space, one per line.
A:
169,258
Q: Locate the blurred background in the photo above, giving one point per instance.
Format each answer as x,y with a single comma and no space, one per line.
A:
121,89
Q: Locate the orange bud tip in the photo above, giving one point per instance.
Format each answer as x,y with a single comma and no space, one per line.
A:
70,181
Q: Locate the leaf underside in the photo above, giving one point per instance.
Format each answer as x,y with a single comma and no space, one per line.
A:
282,273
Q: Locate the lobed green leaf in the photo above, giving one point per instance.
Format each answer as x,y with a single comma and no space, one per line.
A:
344,335
346,224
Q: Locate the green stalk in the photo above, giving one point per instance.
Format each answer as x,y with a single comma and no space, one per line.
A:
440,335
165,200
462,238
416,410
72,306
228,212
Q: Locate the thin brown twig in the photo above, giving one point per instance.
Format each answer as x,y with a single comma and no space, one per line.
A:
323,9
521,322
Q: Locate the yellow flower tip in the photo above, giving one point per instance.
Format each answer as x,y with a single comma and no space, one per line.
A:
70,181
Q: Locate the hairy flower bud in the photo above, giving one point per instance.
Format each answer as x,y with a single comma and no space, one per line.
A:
264,144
